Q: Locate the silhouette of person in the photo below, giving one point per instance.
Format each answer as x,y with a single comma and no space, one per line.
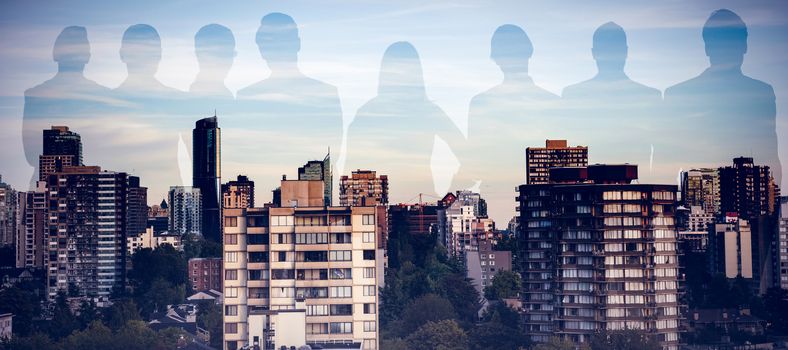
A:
503,121
287,102
620,110
214,46
401,133
69,98
141,50
722,113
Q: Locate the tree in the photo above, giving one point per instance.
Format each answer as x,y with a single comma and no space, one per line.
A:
121,312
96,337
441,335
136,335
496,336
505,284
556,343
209,317
426,309
33,342
462,295
87,313
25,306
775,310
628,339
63,321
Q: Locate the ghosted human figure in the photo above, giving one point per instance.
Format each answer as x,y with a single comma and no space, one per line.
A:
503,121
69,98
141,51
620,112
214,46
722,113
401,133
288,115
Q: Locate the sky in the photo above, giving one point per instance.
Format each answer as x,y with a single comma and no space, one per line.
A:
342,43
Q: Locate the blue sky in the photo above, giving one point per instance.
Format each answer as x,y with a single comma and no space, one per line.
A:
342,44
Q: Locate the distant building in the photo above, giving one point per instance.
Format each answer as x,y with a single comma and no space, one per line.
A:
464,223
747,189
87,231
302,272
6,326
415,219
185,210
205,273
782,243
137,210
363,188
158,217
730,248
8,214
238,193
484,263
210,294
184,317
701,188
207,174
693,225
319,170
151,239
61,147
32,227
555,154
598,252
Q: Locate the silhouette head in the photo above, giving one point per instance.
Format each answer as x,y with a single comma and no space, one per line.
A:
511,48
140,49
610,47
725,35
214,46
401,74
72,48
277,38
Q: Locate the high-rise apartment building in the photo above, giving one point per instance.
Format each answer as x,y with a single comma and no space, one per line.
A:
185,210
555,154
32,227
137,211
238,193
59,140
730,248
782,243
206,173
598,253
302,273
8,214
464,224
747,189
363,188
701,188
319,170
87,231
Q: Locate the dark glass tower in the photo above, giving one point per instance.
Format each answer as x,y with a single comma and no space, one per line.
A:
59,141
206,172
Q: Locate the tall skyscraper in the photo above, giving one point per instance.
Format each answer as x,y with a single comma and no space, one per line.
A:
8,213
598,253
137,213
87,231
363,188
747,189
206,158
238,193
555,154
185,210
301,274
319,170
730,248
32,228
62,148
782,244
701,188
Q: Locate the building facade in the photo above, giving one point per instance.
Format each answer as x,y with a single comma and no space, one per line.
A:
555,154
32,227
207,175
185,210
465,224
782,243
205,274
701,188
363,188
8,214
747,189
238,193
599,253
137,211
321,261
319,170
730,249
484,263
152,239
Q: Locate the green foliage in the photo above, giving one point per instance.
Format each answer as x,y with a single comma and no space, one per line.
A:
197,247
121,312
505,284
96,337
442,335
33,342
628,339
158,277
24,304
775,311
425,309
209,317
63,322
492,335
556,343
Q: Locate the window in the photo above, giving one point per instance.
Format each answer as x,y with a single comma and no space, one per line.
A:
340,274
258,257
311,292
341,238
282,256
369,326
317,328
230,221
311,238
312,274
284,238
258,275
370,308
281,220
341,292
282,292
231,257
369,254
369,290
231,310
342,310
340,255
257,221
257,239
231,275
369,272
312,256
341,327
231,292
258,293
230,239
368,219
231,328
317,310
282,274
369,237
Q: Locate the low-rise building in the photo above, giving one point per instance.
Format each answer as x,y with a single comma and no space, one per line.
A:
150,239
205,273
